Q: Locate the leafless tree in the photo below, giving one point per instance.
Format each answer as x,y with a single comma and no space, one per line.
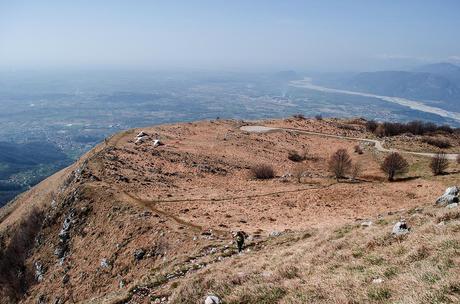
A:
340,163
394,164
439,163
299,171
356,170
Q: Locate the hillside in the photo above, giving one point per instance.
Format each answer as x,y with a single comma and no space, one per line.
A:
138,223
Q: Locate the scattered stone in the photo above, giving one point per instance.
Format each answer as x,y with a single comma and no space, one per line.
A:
450,196
400,228
65,279
366,224
453,205
157,142
377,281
275,233
39,271
139,254
212,300
142,134
105,263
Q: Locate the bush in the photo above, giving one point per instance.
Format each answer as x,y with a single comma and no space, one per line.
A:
394,164
439,163
358,149
340,163
458,159
371,125
299,116
437,142
263,171
415,127
318,117
296,156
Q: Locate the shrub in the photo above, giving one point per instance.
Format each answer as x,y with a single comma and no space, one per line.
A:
458,159
340,163
299,116
394,164
263,171
318,117
358,149
415,127
437,142
439,163
297,156
371,125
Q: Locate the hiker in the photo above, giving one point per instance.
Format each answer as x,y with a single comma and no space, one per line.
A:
239,238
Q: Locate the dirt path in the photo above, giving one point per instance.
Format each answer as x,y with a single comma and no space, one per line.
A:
377,144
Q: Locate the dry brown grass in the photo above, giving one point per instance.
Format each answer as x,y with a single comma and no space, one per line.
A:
340,265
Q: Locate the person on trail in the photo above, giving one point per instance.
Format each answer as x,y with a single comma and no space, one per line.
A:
239,238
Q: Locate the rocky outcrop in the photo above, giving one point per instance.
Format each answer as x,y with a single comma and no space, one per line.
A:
450,196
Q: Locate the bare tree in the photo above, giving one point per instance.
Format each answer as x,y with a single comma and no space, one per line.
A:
394,164
299,171
439,163
340,163
356,170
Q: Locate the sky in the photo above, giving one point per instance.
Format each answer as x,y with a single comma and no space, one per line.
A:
237,34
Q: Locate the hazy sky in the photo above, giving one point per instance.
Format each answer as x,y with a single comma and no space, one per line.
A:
230,34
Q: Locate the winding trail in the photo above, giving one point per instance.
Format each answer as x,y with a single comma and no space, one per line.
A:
377,144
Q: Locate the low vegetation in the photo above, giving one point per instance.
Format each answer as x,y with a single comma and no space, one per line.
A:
415,127
441,143
296,156
393,165
348,264
263,171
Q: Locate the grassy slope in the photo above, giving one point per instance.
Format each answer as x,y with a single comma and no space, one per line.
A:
339,266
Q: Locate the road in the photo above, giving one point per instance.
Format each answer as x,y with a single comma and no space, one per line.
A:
376,143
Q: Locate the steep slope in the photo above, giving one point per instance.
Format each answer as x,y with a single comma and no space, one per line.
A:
133,222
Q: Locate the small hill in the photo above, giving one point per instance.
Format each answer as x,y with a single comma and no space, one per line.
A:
137,222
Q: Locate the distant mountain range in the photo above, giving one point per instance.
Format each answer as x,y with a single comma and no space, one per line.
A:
437,83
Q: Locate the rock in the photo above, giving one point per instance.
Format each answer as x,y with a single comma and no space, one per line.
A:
141,134
39,271
450,196
105,263
453,205
274,233
60,251
157,143
400,228
139,254
366,224
212,300
377,281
